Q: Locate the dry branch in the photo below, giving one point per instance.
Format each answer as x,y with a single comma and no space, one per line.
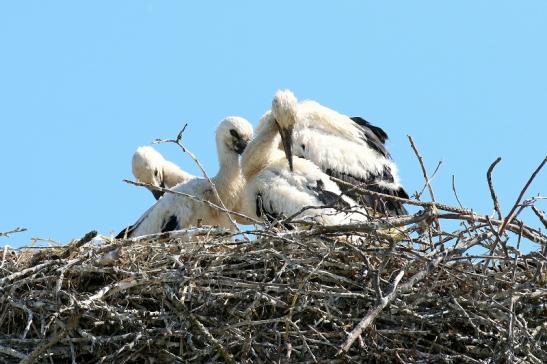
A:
491,186
185,150
14,231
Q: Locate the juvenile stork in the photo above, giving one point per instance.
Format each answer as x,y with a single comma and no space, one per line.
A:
273,191
149,166
173,212
350,149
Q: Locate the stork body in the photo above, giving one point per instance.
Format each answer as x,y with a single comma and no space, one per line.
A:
350,149
149,166
173,212
273,191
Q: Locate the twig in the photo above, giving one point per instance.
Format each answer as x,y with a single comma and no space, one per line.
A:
29,316
430,179
510,329
11,352
200,166
208,203
369,318
42,348
527,232
228,358
6,249
405,200
510,215
14,231
367,227
74,246
491,187
540,215
24,272
455,191
424,172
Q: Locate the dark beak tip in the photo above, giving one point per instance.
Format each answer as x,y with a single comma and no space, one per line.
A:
286,138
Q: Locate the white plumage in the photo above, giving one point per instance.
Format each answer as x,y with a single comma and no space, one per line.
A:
149,166
273,191
172,212
350,149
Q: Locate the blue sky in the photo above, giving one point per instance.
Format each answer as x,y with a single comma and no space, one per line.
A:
83,84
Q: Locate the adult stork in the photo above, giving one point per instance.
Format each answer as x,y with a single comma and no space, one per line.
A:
173,211
273,191
347,148
149,166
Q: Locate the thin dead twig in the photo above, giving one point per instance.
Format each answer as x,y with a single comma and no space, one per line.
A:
14,231
208,203
491,187
42,348
228,358
511,213
541,215
24,308
76,245
422,166
369,318
437,168
527,232
509,216
11,352
439,206
177,141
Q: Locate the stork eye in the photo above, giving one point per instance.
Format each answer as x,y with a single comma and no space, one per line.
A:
234,133
155,172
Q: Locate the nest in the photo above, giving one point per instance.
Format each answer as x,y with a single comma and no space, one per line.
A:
341,293
402,289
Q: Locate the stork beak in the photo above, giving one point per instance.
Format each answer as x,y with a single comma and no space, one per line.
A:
286,139
157,194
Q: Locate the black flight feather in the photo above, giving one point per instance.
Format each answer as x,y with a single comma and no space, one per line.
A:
384,206
171,224
374,136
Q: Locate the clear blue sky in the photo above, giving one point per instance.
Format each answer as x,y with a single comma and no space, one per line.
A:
83,84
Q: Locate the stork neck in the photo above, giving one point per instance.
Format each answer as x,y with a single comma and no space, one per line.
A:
261,149
229,170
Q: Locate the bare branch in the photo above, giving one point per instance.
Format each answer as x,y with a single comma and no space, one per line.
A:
194,198
14,231
404,200
371,316
510,216
540,215
177,141
422,166
491,186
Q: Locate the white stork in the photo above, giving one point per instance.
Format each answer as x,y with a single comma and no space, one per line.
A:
149,166
273,191
173,212
350,149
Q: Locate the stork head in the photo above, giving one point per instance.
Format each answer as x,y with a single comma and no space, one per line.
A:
147,166
284,109
234,133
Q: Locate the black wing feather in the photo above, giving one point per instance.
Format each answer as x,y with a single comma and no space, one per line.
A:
386,207
328,198
375,136
171,224
125,232
269,214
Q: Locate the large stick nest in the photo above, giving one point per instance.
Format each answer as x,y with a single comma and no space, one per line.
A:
321,294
